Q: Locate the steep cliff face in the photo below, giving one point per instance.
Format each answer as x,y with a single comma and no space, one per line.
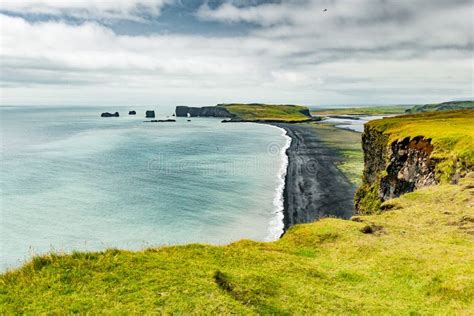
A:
392,169
206,111
305,112
410,167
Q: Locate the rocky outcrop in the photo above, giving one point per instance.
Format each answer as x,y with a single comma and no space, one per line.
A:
410,167
206,111
132,112
108,114
150,114
306,112
392,169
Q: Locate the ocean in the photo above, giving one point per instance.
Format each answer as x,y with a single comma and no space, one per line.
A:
71,180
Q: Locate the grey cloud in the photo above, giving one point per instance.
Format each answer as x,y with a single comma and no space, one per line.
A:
402,50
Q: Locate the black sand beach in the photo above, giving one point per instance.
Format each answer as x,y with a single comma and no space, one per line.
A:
314,186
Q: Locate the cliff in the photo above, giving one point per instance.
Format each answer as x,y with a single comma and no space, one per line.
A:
253,112
406,153
206,111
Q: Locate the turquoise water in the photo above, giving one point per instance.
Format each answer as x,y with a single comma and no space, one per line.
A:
71,180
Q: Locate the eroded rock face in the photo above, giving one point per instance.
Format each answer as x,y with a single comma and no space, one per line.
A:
410,167
306,112
392,169
374,147
206,111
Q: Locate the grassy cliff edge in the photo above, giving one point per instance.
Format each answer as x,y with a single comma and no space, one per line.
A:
408,152
267,112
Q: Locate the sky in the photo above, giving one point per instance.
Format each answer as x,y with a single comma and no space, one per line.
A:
204,52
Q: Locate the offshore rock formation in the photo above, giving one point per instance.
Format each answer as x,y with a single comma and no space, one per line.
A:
150,114
132,112
206,111
160,121
107,114
391,170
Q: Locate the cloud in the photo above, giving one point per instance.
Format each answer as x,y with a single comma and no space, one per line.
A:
358,51
264,14
86,9
357,24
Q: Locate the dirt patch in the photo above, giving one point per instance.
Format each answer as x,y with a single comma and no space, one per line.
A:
372,229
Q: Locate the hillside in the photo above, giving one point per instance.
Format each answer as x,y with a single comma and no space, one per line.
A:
370,110
445,106
267,112
395,109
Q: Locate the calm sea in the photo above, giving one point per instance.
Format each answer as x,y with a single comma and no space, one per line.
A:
71,180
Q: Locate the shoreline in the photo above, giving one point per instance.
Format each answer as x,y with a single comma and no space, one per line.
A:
314,187
276,226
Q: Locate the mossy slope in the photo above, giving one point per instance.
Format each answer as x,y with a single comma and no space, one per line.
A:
372,110
268,112
416,258
445,106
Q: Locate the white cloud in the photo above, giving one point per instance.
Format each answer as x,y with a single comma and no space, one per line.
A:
356,24
97,9
353,53
265,14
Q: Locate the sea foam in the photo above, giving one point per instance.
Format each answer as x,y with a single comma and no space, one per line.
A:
276,225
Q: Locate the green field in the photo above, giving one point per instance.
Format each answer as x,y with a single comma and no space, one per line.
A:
372,110
395,109
445,106
415,259
254,112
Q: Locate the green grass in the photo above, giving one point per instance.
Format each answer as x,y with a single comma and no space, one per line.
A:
446,106
451,133
253,112
373,110
417,258
347,144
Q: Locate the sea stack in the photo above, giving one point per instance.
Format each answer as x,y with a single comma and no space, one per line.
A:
132,112
150,114
107,114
